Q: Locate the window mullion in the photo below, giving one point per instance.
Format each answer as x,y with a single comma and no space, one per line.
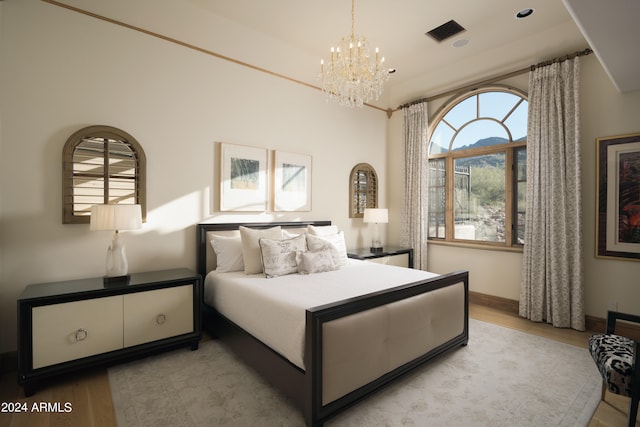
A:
106,169
449,199
509,183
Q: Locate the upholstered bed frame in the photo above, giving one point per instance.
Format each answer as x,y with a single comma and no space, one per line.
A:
433,312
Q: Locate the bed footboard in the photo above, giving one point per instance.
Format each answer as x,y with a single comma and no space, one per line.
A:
354,347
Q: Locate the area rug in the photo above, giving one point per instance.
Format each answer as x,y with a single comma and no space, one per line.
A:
502,378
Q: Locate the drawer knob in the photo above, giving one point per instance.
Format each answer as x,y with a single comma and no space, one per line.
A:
81,334
161,318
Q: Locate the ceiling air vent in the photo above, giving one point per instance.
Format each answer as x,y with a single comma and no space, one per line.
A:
446,30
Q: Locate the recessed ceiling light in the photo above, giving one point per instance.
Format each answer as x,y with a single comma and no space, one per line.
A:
460,43
524,13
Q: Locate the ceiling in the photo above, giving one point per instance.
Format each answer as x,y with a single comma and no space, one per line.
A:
497,41
289,37
611,29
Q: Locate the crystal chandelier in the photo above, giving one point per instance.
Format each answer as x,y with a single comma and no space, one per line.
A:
351,77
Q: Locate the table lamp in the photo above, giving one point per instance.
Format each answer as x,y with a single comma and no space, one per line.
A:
115,218
376,216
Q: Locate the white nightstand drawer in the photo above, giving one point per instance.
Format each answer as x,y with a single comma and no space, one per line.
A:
400,260
72,330
157,314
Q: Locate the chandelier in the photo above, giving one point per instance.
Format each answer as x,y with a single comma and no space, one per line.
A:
352,77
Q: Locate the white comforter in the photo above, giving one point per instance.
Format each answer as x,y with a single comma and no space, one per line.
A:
273,310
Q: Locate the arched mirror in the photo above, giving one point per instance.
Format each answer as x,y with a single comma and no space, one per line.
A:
101,165
363,189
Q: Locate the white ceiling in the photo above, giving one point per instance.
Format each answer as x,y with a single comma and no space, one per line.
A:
498,42
291,36
612,30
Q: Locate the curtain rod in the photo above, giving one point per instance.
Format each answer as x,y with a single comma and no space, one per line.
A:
585,52
472,86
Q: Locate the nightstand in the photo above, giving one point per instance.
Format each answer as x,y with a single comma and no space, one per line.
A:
391,255
70,325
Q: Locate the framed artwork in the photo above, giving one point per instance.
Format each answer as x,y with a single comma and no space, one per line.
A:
291,182
618,193
243,178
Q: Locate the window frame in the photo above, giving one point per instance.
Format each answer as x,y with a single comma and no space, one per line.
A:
69,215
510,150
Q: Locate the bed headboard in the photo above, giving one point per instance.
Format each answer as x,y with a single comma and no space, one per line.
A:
206,257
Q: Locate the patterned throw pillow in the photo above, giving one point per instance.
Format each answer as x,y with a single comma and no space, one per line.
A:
335,243
279,257
316,262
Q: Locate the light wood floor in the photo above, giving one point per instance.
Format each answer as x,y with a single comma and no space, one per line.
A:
90,396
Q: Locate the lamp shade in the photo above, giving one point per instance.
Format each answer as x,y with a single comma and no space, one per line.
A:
116,217
378,216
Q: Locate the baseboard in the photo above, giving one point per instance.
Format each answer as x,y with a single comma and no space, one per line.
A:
504,304
8,362
592,323
626,329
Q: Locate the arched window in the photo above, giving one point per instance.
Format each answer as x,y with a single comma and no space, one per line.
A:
101,165
477,168
363,189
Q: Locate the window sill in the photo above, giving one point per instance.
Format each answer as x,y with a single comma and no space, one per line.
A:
481,246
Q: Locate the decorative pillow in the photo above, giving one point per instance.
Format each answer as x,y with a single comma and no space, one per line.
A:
324,230
279,257
251,247
316,262
289,235
228,251
335,243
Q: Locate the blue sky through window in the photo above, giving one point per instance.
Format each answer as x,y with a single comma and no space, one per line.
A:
480,116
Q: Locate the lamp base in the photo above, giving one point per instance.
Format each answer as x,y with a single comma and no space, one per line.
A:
116,280
376,249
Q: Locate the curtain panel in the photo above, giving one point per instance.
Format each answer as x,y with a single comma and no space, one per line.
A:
552,288
415,208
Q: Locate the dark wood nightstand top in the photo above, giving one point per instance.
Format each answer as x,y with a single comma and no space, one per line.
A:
366,253
95,285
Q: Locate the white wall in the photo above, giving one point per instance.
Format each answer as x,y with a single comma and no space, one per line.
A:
62,71
604,112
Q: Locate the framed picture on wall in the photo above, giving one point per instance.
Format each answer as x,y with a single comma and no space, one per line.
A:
243,178
291,182
618,194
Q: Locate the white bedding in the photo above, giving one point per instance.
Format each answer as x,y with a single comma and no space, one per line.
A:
273,310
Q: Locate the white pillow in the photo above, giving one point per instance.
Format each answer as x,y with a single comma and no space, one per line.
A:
279,257
324,230
228,251
316,262
251,247
335,243
289,235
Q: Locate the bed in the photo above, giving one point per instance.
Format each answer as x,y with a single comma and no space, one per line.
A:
349,347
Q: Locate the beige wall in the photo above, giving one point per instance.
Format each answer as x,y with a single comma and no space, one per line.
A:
62,71
604,112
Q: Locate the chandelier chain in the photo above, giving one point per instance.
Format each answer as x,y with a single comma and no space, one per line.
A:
353,18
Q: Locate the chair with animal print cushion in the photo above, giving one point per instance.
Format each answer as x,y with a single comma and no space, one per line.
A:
616,357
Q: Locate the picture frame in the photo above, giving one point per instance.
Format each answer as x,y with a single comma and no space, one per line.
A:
243,178
618,197
291,182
